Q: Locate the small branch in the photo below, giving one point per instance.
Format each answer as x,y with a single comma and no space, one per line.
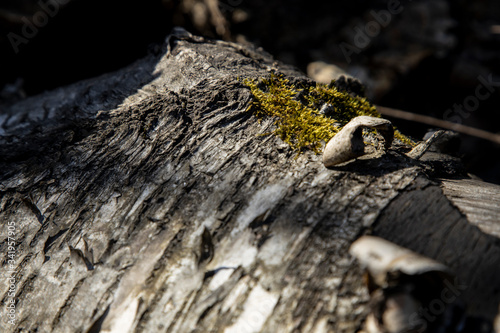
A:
439,123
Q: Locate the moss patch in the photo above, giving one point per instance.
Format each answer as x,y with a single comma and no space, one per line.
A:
296,109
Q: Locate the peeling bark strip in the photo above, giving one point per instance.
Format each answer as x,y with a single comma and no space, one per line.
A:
157,178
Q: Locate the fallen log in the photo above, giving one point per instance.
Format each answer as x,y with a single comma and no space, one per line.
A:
149,200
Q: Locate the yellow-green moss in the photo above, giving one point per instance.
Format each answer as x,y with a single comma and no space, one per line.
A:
296,109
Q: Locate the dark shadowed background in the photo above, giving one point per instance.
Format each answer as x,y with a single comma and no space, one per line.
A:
430,57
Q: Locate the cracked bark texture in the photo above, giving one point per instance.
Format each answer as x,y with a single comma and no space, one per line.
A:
148,200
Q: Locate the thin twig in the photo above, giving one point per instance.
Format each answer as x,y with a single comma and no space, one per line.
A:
439,123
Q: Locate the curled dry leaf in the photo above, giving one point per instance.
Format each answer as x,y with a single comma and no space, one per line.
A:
402,284
422,148
348,143
384,259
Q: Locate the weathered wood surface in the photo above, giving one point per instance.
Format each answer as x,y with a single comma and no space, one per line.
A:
111,183
478,200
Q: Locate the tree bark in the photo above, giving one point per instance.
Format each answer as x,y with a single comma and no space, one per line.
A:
149,200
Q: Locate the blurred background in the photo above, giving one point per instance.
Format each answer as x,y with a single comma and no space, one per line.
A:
431,57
